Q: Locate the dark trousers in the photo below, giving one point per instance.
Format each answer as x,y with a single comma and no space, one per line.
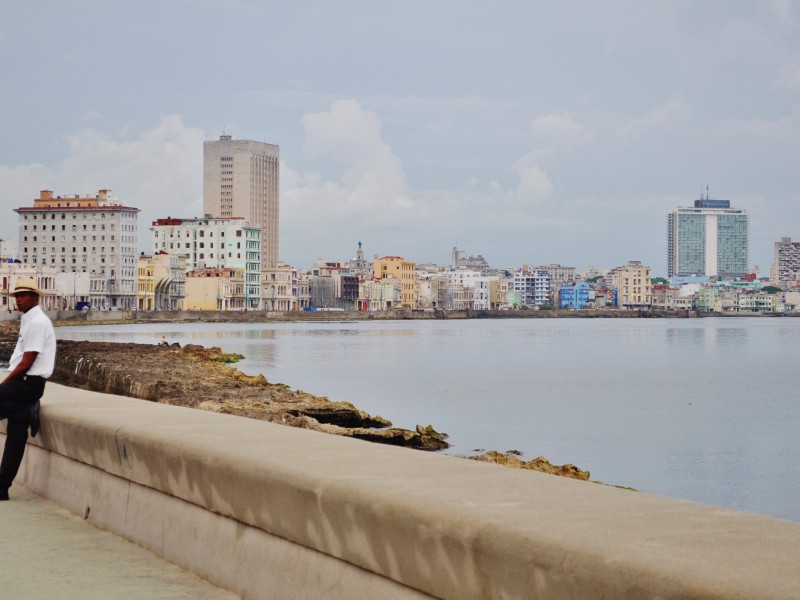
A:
16,400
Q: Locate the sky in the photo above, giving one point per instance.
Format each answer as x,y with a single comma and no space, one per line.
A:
529,132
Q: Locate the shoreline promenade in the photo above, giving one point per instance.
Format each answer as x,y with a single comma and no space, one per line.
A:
50,553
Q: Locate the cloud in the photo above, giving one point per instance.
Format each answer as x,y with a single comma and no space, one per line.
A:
784,127
372,188
158,171
789,77
534,184
369,197
560,131
672,112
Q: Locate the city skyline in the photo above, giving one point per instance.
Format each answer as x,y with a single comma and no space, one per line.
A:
526,133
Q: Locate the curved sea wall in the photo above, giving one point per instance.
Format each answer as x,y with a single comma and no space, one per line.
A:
278,512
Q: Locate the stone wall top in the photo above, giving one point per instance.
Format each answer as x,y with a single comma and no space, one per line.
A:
445,526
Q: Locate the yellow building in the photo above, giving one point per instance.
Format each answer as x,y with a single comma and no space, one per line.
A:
215,289
498,293
145,282
633,285
160,282
403,270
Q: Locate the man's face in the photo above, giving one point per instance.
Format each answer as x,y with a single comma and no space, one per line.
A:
26,301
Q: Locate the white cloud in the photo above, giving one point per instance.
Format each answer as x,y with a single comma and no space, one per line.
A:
672,112
371,189
370,198
158,171
560,131
534,184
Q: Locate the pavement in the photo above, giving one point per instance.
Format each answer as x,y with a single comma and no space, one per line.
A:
49,553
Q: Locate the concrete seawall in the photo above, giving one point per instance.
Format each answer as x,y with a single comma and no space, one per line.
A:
268,511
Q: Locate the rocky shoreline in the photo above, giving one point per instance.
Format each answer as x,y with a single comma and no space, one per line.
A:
203,378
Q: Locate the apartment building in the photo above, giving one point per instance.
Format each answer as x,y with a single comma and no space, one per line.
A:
214,243
402,270
241,179
632,285
531,288
82,234
785,270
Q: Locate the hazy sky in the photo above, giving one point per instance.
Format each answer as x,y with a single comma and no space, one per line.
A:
526,131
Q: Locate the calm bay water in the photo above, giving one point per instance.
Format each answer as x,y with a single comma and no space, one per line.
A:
700,409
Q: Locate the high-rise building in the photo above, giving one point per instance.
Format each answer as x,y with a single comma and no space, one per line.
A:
241,179
785,271
708,239
95,235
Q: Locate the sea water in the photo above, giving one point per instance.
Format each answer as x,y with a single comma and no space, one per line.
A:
699,409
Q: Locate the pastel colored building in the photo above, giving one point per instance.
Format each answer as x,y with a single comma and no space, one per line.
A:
632,285
574,295
215,289
402,270
214,243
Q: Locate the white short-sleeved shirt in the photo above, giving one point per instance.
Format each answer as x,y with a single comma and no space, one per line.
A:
36,335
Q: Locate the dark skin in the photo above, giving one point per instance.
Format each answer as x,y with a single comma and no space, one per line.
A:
25,301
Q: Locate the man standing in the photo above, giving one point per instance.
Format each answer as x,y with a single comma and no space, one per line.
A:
31,364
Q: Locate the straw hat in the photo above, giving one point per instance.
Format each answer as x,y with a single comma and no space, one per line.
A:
26,284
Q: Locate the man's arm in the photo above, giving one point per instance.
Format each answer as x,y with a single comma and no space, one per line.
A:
25,363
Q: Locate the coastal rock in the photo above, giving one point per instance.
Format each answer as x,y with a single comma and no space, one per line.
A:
537,464
201,377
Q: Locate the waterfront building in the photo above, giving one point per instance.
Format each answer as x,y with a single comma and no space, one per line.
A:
663,295
498,293
302,295
161,281
791,301
531,288
45,278
96,235
709,238
632,285
322,292
214,243
380,294
279,288
402,270
785,270
757,302
708,299
574,295
241,179
428,291
73,290
215,289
